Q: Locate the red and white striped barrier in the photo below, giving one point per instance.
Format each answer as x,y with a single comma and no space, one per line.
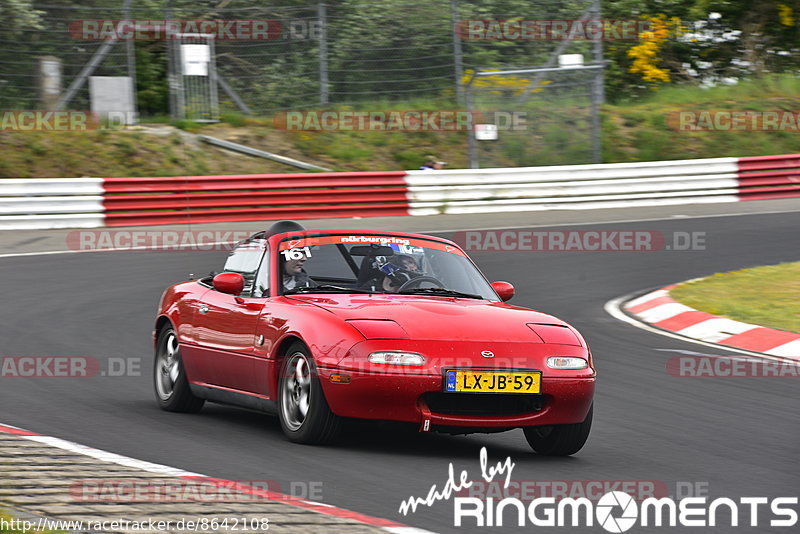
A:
96,202
659,309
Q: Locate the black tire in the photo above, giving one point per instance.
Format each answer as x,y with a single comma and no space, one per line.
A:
169,377
298,380
559,440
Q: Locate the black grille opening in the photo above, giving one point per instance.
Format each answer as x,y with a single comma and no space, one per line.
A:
483,404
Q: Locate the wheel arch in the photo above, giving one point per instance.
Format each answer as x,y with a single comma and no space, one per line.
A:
288,341
283,349
162,322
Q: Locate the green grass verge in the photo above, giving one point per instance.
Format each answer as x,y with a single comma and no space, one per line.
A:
639,131
766,296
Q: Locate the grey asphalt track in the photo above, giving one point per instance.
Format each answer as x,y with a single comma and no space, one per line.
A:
741,437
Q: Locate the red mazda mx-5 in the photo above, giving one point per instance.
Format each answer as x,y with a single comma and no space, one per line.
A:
317,326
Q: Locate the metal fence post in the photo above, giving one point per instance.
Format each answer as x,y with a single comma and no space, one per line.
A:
131,56
598,92
323,54
172,78
472,147
458,54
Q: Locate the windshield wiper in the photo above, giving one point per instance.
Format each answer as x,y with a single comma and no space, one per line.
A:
324,288
439,291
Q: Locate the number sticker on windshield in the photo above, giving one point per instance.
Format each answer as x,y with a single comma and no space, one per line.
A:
296,253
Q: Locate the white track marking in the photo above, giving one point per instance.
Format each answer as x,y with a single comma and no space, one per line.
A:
618,221
432,231
112,457
126,249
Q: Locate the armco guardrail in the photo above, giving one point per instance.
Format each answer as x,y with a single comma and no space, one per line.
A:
51,203
94,202
199,199
603,186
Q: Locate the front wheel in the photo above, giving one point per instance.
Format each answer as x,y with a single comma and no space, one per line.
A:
303,411
171,386
559,440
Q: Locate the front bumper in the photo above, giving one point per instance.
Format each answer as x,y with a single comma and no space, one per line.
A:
401,397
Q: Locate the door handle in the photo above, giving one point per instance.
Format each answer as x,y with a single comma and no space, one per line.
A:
203,309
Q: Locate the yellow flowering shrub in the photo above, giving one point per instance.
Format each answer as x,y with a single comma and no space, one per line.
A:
645,55
786,15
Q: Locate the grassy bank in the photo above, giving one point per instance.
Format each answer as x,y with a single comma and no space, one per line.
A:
766,296
640,131
105,153
632,131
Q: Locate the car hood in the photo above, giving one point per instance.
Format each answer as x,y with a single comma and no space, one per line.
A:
433,317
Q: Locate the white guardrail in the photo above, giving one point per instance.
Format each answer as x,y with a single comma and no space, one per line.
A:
572,186
39,203
78,202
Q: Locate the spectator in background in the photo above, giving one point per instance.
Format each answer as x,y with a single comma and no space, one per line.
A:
431,164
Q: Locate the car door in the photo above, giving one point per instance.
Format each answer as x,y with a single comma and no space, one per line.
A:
225,325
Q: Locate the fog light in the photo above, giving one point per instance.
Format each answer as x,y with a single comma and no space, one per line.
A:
567,362
397,358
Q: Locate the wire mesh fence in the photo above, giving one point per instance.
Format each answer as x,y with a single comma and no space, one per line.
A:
411,54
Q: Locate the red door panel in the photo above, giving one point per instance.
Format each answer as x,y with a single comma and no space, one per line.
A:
225,330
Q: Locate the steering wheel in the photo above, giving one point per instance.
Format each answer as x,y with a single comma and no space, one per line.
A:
418,280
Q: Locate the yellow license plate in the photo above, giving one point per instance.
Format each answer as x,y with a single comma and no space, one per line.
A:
480,381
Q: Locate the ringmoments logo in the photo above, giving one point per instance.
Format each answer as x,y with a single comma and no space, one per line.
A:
615,511
605,509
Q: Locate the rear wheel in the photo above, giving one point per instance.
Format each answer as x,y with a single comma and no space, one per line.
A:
559,440
171,386
303,411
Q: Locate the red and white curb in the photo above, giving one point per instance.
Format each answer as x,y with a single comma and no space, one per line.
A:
317,507
658,309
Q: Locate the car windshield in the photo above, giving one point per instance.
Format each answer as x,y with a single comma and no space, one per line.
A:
349,263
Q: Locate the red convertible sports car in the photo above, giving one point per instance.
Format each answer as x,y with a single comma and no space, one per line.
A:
318,326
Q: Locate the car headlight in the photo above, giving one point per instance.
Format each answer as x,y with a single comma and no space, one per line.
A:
567,362
397,358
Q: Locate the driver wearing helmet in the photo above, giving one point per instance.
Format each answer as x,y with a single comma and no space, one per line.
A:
396,272
295,276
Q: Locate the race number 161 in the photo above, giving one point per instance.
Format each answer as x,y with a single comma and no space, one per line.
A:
297,253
